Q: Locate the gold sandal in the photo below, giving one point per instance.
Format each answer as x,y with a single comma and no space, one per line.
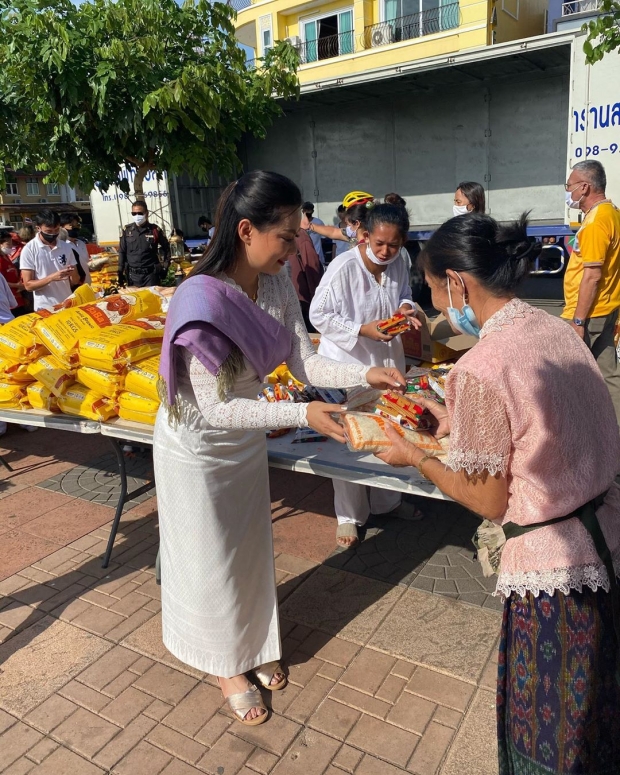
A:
242,703
265,673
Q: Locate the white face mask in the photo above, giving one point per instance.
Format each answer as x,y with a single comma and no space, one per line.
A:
378,261
569,201
459,210
350,232
139,219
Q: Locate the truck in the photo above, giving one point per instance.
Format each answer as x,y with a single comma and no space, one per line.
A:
514,117
174,201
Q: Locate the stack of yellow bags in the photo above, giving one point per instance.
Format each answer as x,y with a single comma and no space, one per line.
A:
76,358
104,271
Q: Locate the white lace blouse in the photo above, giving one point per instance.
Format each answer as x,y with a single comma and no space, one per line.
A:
277,297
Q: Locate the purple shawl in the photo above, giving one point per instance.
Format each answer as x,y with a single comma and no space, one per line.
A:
209,317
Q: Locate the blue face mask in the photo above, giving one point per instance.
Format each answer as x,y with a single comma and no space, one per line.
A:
463,320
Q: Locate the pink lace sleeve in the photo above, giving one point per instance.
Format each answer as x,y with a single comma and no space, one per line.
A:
480,437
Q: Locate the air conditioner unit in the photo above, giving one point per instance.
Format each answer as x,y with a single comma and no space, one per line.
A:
294,40
42,201
17,200
382,37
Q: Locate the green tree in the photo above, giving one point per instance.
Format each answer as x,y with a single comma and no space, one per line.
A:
151,84
603,32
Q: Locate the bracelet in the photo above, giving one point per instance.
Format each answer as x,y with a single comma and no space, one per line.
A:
421,463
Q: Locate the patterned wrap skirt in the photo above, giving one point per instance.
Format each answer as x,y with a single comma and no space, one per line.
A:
558,703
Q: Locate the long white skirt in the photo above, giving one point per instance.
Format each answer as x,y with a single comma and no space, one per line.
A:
219,602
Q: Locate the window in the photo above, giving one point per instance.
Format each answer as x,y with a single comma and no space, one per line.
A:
511,7
327,37
266,33
52,189
412,18
32,187
11,189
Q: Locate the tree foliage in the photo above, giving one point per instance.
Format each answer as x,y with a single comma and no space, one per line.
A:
151,84
603,32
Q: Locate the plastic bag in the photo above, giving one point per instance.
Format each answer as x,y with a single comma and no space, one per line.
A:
104,382
40,397
61,331
14,372
142,378
11,396
49,371
84,294
137,408
18,341
82,402
119,346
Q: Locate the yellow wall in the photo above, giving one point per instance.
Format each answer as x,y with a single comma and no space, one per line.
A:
22,192
474,31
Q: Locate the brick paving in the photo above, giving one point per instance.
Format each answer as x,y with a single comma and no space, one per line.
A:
390,671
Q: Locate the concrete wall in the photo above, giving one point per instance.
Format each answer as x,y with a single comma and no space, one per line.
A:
423,146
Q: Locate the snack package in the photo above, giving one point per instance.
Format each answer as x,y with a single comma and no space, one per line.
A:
52,373
116,347
437,381
279,392
40,397
362,399
106,383
304,435
137,408
395,325
283,375
14,372
327,395
277,433
83,294
366,433
82,402
60,332
18,341
402,410
11,396
142,378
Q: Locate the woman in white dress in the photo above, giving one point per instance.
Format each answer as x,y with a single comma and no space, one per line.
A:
230,322
359,289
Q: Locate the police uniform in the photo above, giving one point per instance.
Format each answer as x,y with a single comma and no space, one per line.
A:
138,258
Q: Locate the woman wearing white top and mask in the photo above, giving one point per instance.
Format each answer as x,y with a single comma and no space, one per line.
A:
469,198
366,284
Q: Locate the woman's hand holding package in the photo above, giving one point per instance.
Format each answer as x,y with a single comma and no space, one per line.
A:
441,420
401,453
319,418
412,315
385,378
370,331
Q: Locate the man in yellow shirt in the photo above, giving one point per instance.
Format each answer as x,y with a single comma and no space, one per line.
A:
592,279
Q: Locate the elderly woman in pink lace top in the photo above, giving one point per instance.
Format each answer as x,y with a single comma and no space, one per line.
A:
534,450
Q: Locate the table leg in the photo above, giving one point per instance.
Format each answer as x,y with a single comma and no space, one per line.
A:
5,464
122,498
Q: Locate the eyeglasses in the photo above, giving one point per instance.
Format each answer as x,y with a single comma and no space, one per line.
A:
573,185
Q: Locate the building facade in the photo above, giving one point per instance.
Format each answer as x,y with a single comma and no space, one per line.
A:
345,37
25,194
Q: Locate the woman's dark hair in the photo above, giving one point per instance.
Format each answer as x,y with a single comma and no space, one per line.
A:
395,199
497,255
359,213
264,198
392,214
474,193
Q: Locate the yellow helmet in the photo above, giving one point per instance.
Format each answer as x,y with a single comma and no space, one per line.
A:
357,198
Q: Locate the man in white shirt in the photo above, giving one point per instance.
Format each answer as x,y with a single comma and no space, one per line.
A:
308,210
71,224
47,264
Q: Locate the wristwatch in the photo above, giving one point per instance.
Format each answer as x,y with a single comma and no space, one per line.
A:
579,322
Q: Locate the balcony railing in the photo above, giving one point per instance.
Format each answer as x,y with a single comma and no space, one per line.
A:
327,48
580,6
445,17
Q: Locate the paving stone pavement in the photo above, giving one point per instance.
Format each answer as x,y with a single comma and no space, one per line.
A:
384,678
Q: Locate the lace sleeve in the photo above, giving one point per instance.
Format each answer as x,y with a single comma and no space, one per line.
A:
239,412
305,364
479,428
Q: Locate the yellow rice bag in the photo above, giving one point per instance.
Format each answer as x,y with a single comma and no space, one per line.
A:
11,395
106,383
131,402
18,341
146,418
82,402
40,397
14,372
142,378
116,347
61,331
83,294
52,373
